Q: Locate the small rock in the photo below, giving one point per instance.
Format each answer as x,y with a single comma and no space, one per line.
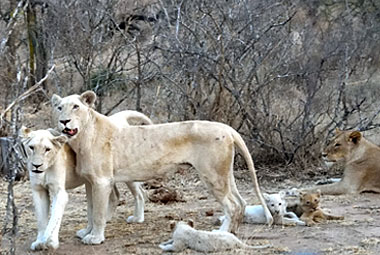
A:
165,195
210,212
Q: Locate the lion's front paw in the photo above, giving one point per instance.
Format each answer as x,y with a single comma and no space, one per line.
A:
168,245
310,223
134,219
50,243
83,232
44,244
93,239
38,245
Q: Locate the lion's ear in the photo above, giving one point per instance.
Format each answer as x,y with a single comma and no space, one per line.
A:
318,192
24,132
282,194
88,98
59,141
355,137
190,222
172,225
302,193
266,197
55,100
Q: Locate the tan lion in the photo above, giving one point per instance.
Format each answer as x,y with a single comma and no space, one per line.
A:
108,154
361,164
311,212
51,165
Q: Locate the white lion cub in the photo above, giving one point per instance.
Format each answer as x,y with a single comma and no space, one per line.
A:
254,214
185,236
277,206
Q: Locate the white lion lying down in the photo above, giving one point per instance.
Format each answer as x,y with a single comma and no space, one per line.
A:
277,206
255,214
51,166
185,236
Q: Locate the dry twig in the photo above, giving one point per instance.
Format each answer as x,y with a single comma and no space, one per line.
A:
30,91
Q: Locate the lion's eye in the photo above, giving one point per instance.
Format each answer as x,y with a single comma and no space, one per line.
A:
75,106
316,200
47,149
272,205
59,108
31,147
337,144
307,202
279,204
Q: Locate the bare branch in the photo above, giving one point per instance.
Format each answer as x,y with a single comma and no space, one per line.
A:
26,94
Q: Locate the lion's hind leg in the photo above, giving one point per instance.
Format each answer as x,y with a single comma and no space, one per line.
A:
235,192
139,196
113,202
232,208
319,217
219,179
173,245
332,217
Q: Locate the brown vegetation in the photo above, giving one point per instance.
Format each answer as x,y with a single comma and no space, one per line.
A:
284,74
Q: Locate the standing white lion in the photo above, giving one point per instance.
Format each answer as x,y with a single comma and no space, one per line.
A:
107,154
51,165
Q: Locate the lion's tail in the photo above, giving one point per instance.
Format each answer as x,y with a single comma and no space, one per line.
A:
139,118
129,117
239,142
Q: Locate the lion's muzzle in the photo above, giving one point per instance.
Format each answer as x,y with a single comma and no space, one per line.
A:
70,132
37,171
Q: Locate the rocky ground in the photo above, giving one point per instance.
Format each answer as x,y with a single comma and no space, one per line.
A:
359,233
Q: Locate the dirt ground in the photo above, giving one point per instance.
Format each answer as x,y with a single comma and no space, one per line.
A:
359,233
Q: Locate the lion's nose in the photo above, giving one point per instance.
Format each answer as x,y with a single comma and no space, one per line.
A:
37,166
64,122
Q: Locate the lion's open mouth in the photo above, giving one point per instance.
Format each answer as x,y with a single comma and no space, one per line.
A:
37,171
70,132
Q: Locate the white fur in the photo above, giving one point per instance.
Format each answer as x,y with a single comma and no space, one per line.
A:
58,174
255,214
120,119
50,182
107,154
185,236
